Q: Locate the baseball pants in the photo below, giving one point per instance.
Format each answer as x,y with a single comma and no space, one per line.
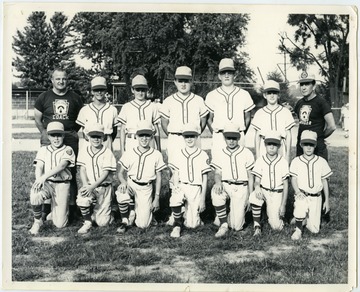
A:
310,208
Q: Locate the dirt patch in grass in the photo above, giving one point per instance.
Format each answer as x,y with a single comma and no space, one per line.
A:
52,240
320,244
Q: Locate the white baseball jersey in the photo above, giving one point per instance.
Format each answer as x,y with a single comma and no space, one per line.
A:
234,164
181,111
271,173
310,173
191,166
106,116
229,107
134,111
96,163
51,157
142,167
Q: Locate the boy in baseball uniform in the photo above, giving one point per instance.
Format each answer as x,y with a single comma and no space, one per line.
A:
99,111
143,165
227,103
53,175
137,110
97,165
190,169
271,184
309,173
273,117
233,181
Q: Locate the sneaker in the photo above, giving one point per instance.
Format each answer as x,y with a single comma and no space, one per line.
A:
154,222
216,221
123,226
36,226
222,230
49,217
131,217
175,233
85,228
257,231
171,220
297,234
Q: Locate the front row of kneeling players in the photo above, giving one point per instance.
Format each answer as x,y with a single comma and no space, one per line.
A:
238,178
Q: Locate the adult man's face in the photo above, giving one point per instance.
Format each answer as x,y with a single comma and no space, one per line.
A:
307,88
59,81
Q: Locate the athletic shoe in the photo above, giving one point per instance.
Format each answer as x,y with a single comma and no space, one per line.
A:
112,219
257,231
36,226
293,221
297,234
123,226
132,218
175,233
154,222
49,217
222,230
170,221
216,221
86,227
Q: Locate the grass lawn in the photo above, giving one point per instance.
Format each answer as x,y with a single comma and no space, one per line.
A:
151,256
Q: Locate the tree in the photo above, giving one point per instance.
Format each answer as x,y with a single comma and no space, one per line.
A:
329,34
156,43
41,48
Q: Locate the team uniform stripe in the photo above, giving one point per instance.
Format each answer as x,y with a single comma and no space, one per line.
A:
206,170
173,166
256,173
327,175
209,108
121,120
215,166
161,168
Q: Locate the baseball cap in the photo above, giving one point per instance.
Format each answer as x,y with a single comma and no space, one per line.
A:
305,77
139,81
190,129
55,128
183,72
226,64
308,136
95,129
98,82
231,130
144,127
273,137
271,85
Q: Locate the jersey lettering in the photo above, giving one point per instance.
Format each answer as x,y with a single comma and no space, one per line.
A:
61,109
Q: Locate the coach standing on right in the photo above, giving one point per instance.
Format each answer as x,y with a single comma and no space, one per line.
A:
314,114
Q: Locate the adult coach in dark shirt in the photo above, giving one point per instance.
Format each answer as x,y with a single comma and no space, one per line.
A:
314,114
62,105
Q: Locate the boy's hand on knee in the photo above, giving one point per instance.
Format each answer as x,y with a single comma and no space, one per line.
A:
218,188
300,196
122,188
155,204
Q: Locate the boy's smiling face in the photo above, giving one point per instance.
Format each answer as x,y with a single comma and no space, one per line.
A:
96,141
56,139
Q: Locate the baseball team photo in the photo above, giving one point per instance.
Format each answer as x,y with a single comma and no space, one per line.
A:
175,147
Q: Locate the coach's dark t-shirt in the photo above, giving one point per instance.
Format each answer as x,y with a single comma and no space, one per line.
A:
62,108
311,115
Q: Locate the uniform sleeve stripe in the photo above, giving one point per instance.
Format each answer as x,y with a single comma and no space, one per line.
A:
206,170
285,176
327,175
290,126
255,127
256,173
123,165
80,123
249,108
110,168
158,119
210,109
215,166
173,166
161,168
293,174
250,166
204,114
80,163
121,120
164,115
36,160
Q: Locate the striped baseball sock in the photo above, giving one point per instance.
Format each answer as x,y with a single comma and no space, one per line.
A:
298,222
177,215
132,205
46,209
256,213
85,212
221,213
124,210
37,211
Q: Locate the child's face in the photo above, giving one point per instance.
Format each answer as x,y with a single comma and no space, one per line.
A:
96,141
227,77
139,93
144,140
308,148
271,97
99,94
183,85
232,142
56,140
272,148
190,140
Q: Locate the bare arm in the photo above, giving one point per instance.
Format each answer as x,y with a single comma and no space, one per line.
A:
284,197
295,186
123,181
217,187
247,119
203,121
157,137
258,140
326,204
39,182
164,125
88,188
250,181
38,120
210,122
330,126
288,145
203,192
156,203
122,139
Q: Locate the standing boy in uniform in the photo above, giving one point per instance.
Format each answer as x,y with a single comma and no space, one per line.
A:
271,184
97,164
190,168
53,176
99,111
273,117
233,180
309,173
143,165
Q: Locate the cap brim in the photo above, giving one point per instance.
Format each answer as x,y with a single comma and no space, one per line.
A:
145,131
96,133
308,141
272,140
232,135
190,133
306,80
140,86
227,69
98,87
183,77
55,132
272,89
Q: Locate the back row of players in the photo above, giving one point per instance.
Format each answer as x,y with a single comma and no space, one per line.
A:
184,116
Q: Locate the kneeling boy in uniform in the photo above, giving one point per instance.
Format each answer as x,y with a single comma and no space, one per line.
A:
233,180
143,165
53,177
190,169
271,184
309,174
97,165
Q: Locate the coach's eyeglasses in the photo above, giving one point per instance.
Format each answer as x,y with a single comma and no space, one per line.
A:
183,80
140,89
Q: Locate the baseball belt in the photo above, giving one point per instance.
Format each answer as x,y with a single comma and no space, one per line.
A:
105,185
272,190
58,181
219,131
131,135
238,183
175,133
309,194
141,183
